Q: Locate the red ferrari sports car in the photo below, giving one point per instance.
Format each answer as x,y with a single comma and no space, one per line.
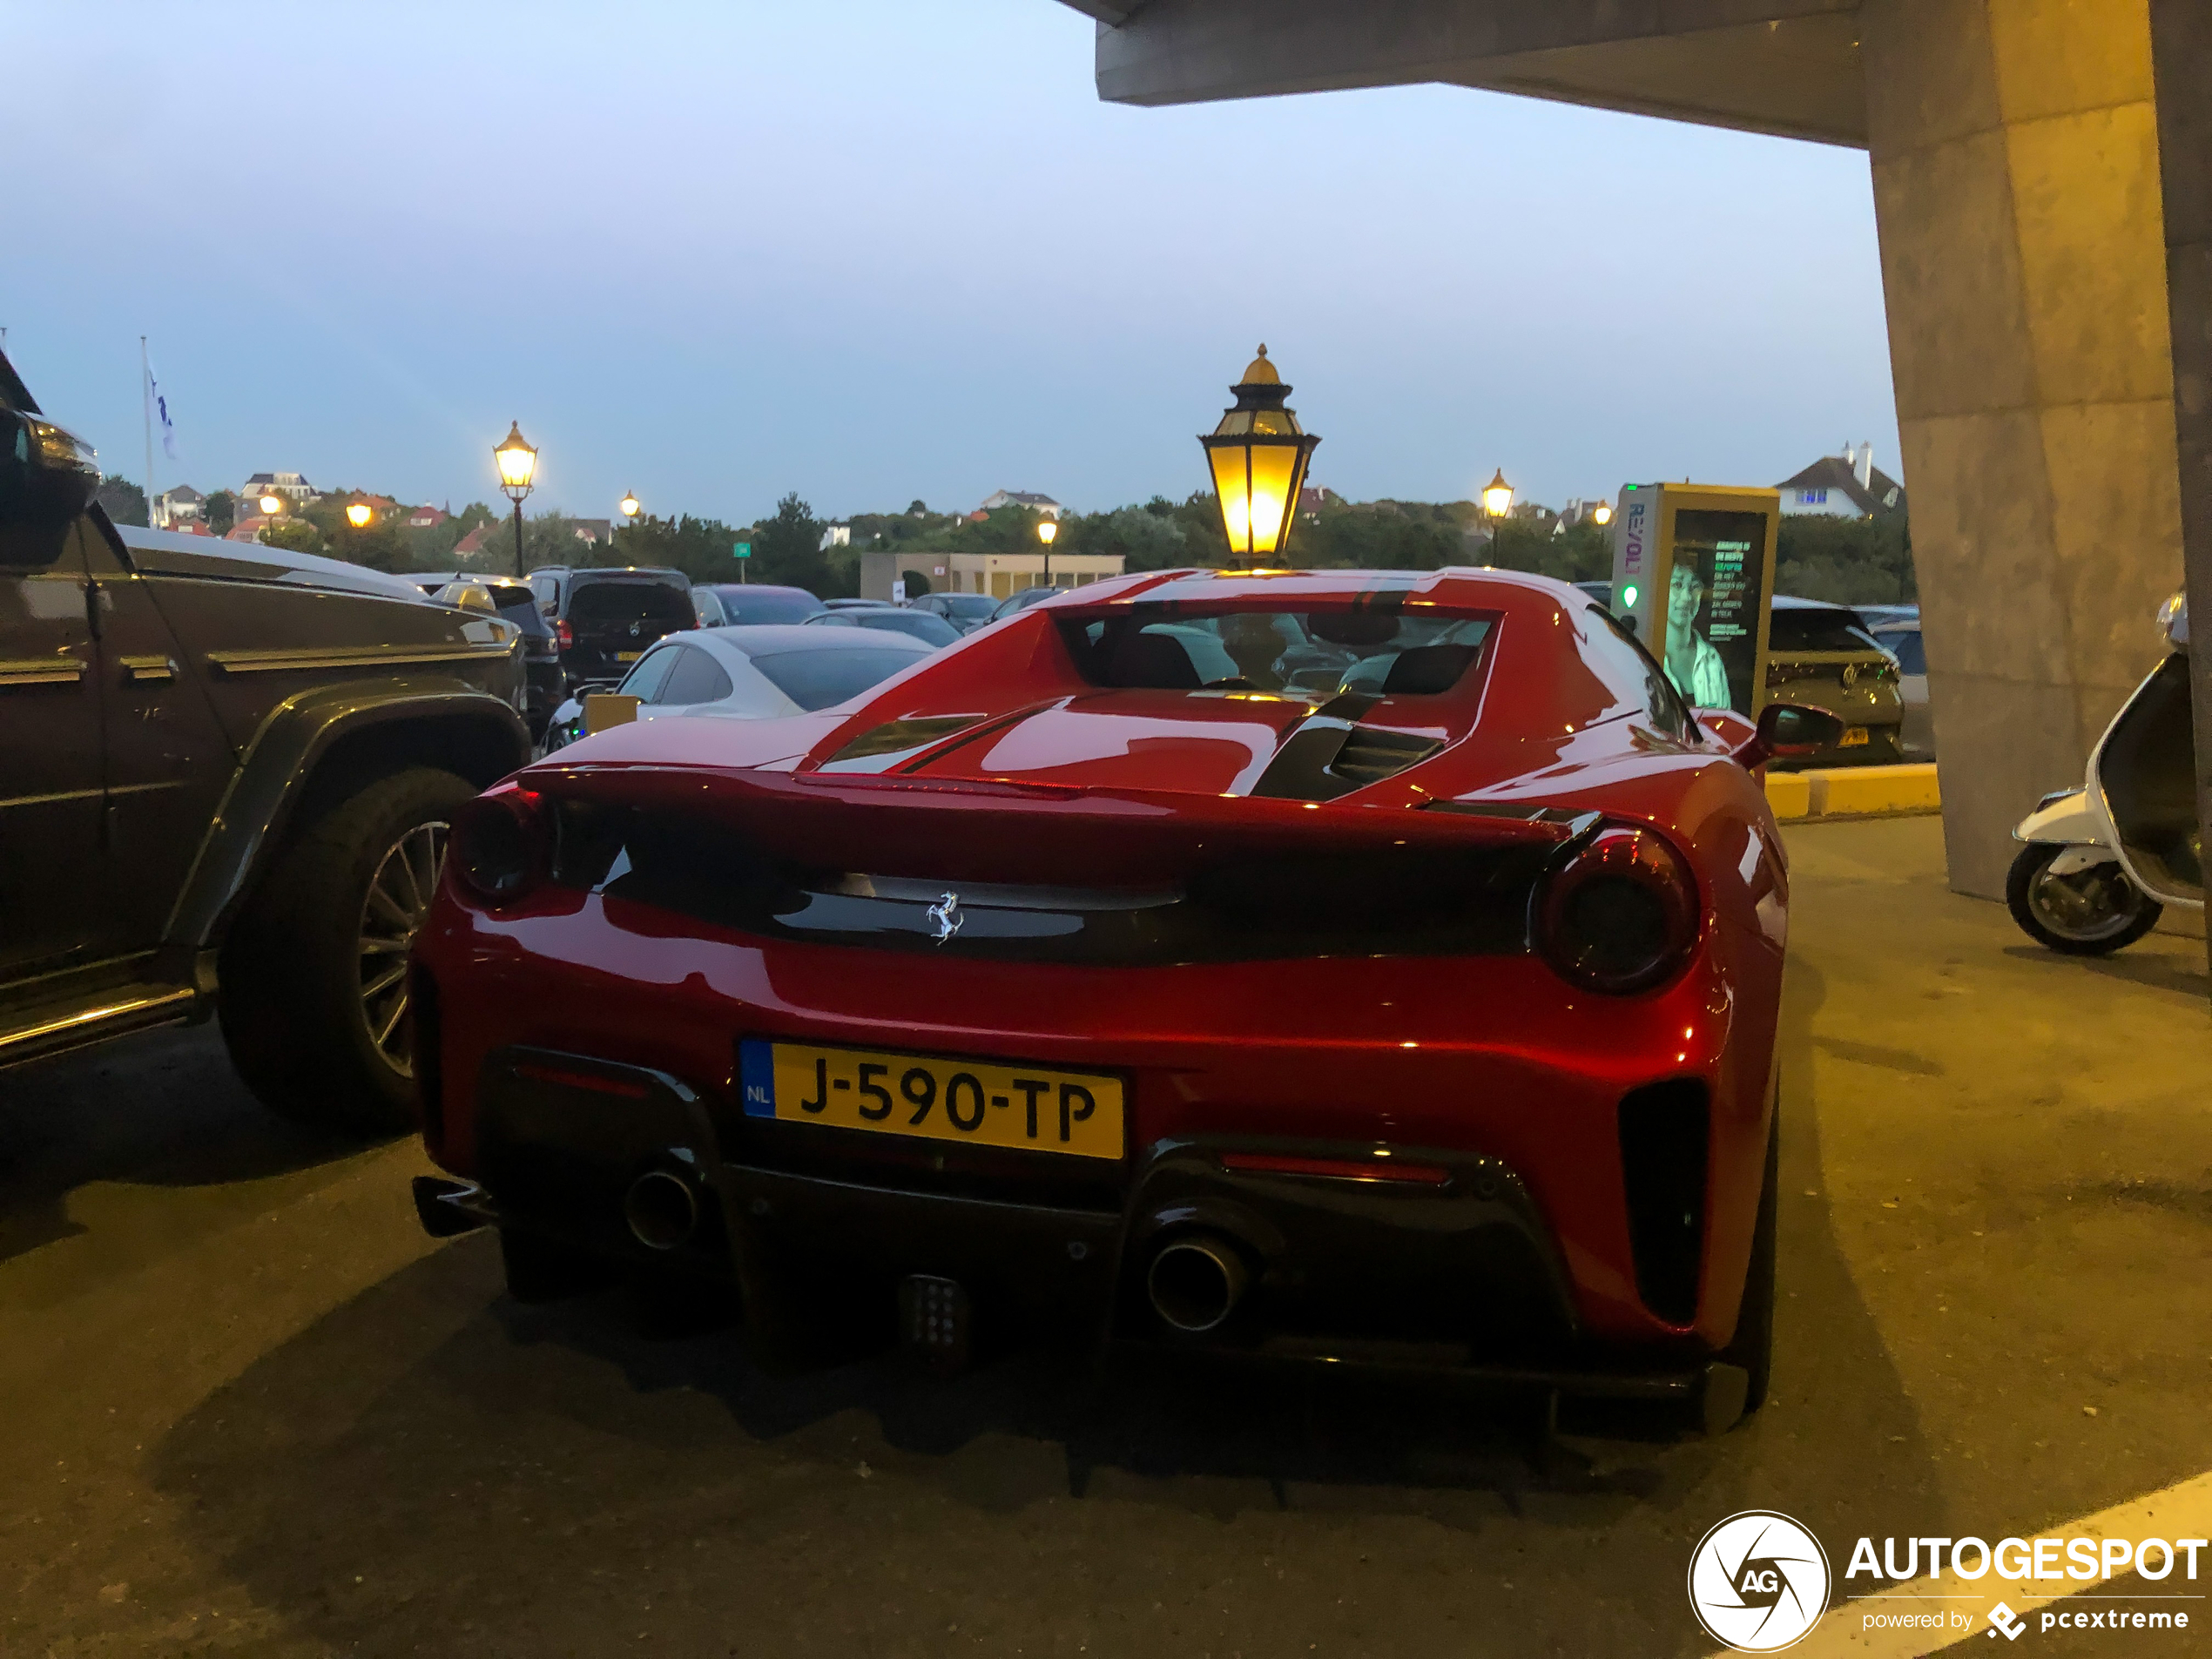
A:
1343,965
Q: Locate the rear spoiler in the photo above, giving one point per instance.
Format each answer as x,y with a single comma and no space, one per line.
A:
981,830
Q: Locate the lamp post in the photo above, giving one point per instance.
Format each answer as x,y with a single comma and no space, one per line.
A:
1259,456
1497,500
517,465
271,505
1047,529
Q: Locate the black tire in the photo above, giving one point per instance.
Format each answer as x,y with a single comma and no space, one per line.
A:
2094,916
306,966
1752,1346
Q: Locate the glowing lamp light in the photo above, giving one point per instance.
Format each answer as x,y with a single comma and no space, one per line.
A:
1258,456
518,462
1497,496
271,506
1602,513
628,506
358,514
1046,530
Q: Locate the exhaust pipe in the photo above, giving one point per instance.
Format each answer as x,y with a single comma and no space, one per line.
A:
662,1210
1195,1282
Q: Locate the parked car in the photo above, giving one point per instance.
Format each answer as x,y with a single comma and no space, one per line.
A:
756,672
226,772
746,603
930,629
853,604
1051,983
605,619
1901,638
1821,655
1023,601
515,602
966,611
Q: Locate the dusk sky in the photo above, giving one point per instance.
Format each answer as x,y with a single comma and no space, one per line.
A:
872,251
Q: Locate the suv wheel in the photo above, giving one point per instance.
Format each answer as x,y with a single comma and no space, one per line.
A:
313,995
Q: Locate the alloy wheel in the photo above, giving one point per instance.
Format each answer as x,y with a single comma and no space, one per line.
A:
391,913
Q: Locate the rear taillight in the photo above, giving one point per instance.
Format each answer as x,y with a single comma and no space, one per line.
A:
1621,915
502,844
564,633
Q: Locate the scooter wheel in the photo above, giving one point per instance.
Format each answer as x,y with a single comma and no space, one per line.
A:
2090,913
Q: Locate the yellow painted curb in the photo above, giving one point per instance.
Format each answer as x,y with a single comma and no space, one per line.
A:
1854,792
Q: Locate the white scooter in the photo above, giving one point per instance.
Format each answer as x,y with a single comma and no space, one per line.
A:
2101,862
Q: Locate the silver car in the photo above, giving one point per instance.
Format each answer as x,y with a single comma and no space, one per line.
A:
752,673
1901,638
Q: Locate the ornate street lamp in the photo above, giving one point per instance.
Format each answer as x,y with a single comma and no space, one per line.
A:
1497,497
517,465
1259,456
358,514
1602,513
271,505
629,506
1047,529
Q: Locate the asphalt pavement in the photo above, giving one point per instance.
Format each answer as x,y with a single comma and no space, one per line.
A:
246,1407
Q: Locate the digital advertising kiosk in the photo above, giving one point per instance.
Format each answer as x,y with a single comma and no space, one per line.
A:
1693,579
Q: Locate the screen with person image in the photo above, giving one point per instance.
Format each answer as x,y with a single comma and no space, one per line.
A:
1714,599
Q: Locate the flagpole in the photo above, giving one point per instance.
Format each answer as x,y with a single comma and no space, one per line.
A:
145,402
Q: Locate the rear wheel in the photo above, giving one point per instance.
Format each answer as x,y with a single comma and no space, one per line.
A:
313,1001
2092,912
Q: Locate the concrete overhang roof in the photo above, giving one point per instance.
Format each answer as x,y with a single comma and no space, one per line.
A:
1788,67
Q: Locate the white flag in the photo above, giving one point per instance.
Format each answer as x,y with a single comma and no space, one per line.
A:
161,413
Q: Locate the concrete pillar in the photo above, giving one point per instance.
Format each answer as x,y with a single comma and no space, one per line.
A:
2016,187
2181,44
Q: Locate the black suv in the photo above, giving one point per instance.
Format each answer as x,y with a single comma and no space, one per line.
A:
226,775
606,619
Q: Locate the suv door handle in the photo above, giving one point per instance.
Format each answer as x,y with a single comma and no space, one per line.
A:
40,671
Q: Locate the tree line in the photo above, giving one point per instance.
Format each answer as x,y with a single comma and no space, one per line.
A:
1845,561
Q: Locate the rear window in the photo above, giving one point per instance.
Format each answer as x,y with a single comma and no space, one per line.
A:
918,624
1820,630
816,679
1322,652
513,598
968,604
1904,644
630,602
747,609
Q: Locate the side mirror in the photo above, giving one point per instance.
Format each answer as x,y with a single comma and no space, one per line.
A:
48,474
1789,731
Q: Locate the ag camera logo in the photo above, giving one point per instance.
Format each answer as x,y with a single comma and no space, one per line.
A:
1758,1581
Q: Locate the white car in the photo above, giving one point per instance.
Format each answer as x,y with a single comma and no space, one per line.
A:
752,673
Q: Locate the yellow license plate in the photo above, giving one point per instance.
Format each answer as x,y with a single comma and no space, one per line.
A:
982,1103
628,656
1854,737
